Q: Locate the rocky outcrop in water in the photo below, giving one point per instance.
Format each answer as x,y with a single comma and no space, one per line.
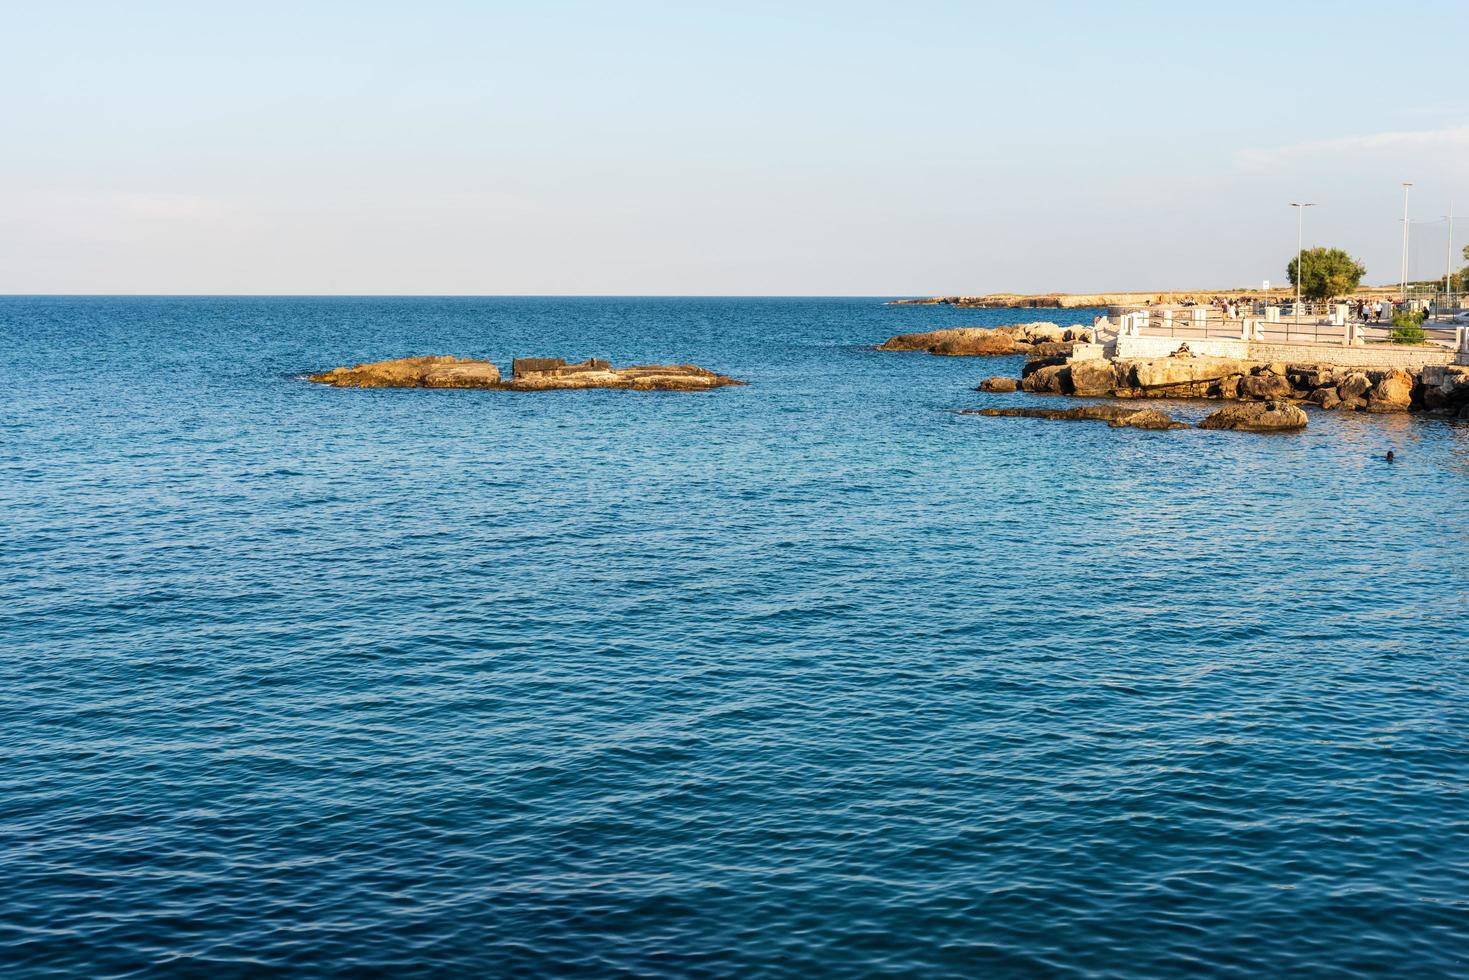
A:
999,385
527,374
1116,416
1040,338
414,372
549,374
1274,416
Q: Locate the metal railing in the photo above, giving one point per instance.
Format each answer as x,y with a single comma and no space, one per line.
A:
1316,323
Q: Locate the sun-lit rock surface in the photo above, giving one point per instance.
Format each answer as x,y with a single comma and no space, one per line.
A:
414,372
527,374
1015,338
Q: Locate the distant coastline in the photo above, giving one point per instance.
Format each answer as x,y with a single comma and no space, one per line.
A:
1075,300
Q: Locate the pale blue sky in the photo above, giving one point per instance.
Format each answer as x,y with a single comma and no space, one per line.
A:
744,148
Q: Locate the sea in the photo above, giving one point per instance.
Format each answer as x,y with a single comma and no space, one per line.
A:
814,677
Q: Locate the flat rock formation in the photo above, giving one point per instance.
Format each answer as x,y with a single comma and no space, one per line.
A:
1116,416
1342,389
527,374
1042,337
414,372
550,374
1273,416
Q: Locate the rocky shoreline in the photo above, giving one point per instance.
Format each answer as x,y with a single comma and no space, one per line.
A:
1439,390
1040,339
526,374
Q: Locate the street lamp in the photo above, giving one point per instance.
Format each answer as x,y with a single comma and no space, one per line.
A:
1404,281
1300,267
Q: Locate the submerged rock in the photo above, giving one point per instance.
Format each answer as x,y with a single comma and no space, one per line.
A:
527,374
1275,416
1117,416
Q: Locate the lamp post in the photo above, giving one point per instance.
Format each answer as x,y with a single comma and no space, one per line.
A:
1300,250
1448,264
1403,285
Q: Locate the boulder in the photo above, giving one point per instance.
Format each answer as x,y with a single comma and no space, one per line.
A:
1393,393
1053,379
1093,376
1002,385
1276,416
1034,364
1325,398
1265,386
1353,386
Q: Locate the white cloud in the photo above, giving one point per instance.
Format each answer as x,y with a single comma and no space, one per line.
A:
1453,136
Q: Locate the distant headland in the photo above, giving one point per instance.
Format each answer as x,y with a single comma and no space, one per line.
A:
1066,301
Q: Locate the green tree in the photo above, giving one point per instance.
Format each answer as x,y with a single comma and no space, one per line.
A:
1329,272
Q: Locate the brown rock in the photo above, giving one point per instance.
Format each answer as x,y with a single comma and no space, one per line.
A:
530,374
1185,375
958,342
1093,376
1265,387
1148,418
1325,397
1116,415
411,372
1355,385
1227,388
1394,393
1050,380
598,374
1003,385
463,374
1276,416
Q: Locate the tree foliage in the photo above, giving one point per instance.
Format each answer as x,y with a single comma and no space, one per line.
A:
1329,272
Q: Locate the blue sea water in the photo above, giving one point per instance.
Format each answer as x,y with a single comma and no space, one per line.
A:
813,677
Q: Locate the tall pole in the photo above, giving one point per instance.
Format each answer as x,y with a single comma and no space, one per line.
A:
1300,251
1404,281
1448,263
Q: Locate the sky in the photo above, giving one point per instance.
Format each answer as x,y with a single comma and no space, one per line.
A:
751,148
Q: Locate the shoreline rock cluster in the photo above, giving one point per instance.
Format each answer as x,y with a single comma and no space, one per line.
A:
1042,339
1340,389
526,374
1271,416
